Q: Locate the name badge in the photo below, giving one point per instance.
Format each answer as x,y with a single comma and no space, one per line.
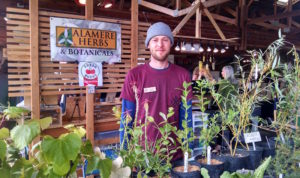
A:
149,89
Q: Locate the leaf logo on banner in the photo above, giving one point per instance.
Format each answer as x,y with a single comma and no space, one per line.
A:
65,38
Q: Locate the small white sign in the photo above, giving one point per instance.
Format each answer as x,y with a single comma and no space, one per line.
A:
90,73
91,89
252,137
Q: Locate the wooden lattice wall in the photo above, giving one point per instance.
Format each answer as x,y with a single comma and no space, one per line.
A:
59,78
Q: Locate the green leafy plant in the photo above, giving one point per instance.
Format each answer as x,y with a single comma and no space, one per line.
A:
238,102
50,157
145,156
258,173
287,91
185,136
212,128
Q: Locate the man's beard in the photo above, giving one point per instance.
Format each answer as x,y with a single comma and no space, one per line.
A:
160,58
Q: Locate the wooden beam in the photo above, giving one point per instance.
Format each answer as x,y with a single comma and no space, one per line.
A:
229,40
90,116
157,7
230,11
186,18
206,4
89,10
296,24
34,58
270,26
274,17
275,8
198,23
249,3
224,19
89,96
212,20
243,27
121,4
211,3
289,19
178,4
134,32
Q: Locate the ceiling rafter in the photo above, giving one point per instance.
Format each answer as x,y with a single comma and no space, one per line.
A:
274,17
177,13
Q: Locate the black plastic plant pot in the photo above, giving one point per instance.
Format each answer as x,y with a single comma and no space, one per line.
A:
255,157
215,169
133,174
233,163
193,170
267,151
151,174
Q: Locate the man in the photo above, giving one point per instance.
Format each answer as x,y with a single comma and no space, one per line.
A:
157,83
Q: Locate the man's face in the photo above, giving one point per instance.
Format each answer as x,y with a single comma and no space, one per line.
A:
160,47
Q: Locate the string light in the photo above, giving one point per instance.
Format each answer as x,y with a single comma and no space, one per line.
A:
208,49
183,48
177,48
200,48
193,48
227,46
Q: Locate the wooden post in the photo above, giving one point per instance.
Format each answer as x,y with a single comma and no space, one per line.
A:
289,19
198,23
89,96
134,32
243,26
178,4
34,58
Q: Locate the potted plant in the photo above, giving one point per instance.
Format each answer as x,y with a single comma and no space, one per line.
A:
185,137
286,122
207,134
236,107
144,157
50,157
258,173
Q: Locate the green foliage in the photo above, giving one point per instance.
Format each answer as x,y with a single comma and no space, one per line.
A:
146,155
259,172
51,157
58,151
45,122
104,165
4,133
15,112
236,102
22,135
80,131
204,173
183,135
2,150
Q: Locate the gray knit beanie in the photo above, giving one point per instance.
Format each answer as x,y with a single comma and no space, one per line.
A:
157,29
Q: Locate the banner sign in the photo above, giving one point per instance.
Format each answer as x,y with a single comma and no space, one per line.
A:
90,74
84,40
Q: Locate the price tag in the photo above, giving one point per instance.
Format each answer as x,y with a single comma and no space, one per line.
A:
252,137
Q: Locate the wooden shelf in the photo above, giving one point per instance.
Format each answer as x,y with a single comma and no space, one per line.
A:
108,103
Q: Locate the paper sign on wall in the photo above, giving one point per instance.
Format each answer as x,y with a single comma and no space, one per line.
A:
252,137
90,73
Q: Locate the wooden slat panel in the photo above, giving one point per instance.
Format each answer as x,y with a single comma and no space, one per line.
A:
18,64
14,82
18,94
56,76
27,88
